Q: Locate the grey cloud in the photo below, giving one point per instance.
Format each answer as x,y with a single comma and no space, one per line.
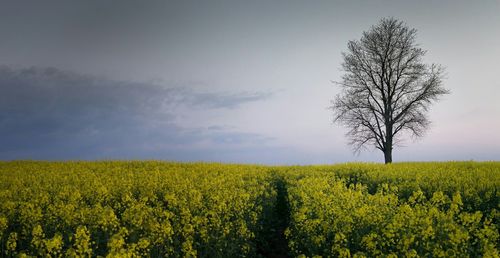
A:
47,113
225,101
48,86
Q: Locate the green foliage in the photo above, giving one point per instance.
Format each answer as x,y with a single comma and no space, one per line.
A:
132,209
400,210
165,209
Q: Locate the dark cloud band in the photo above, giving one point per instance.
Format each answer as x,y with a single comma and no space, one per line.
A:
47,113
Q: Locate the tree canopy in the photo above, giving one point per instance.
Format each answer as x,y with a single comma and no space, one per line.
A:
386,88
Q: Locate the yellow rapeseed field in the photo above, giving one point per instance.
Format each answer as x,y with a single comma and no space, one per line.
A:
168,209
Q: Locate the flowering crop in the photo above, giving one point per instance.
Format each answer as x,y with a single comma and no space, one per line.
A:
167,209
398,210
125,209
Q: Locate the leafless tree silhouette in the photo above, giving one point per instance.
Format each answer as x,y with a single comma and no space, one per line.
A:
386,89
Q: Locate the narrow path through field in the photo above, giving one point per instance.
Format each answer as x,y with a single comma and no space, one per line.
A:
276,245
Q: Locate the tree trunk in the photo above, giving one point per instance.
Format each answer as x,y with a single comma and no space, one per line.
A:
388,145
388,155
388,140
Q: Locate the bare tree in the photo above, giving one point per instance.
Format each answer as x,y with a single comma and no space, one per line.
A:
386,89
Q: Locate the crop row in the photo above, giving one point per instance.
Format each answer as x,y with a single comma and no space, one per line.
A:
165,209
124,209
401,210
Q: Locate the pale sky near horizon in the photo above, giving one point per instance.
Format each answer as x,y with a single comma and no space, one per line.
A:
228,81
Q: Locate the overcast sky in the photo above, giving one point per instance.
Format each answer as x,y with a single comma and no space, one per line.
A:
230,81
